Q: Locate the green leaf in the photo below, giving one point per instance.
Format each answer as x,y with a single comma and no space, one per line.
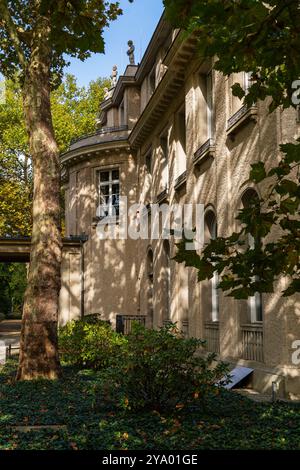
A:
258,172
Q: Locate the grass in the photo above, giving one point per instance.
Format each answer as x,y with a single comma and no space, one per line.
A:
228,421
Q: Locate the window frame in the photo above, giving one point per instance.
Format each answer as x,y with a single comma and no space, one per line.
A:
110,183
255,302
212,227
164,160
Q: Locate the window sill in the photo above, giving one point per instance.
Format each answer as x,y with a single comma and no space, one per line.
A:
242,117
108,221
212,324
163,196
206,150
253,326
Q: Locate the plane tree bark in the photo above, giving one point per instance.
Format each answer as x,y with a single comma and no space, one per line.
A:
39,352
35,37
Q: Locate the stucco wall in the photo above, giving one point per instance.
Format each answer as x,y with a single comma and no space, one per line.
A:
117,277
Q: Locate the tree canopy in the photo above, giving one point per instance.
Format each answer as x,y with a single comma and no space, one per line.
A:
247,35
74,111
75,31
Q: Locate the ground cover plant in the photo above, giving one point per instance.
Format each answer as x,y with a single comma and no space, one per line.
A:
85,420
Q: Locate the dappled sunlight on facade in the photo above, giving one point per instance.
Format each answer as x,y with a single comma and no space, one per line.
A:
170,132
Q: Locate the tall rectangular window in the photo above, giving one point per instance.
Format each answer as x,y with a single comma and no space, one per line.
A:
77,206
164,147
181,141
148,161
247,81
122,120
209,106
152,81
109,193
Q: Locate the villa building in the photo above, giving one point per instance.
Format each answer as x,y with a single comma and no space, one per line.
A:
171,132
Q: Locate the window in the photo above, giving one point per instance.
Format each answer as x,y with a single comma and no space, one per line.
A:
181,141
150,265
152,81
109,193
255,302
164,146
148,161
122,114
149,293
167,280
211,234
247,81
77,208
209,106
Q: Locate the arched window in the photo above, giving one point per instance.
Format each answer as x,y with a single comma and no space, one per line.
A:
150,265
167,280
211,234
149,272
255,302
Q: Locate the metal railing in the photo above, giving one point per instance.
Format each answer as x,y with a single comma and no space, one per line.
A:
212,337
124,322
209,144
252,345
162,196
102,131
243,111
10,349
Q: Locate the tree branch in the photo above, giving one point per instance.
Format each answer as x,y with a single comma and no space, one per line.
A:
12,32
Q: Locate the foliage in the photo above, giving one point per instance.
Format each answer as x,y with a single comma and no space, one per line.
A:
229,421
161,370
12,287
76,29
245,269
15,208
261,38
74,111
36,37
248,35
89,343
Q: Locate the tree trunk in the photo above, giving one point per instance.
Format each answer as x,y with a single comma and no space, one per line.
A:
38,348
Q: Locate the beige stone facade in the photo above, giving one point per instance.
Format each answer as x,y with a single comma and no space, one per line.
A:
171,133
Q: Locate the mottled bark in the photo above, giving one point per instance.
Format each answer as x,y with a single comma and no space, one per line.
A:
38,351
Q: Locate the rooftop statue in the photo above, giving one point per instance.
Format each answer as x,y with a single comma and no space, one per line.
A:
114,76
107,93
130,52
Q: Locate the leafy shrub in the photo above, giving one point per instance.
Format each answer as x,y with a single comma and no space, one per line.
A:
161,370
88,343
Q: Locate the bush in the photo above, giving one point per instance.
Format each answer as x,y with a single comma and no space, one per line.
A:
161,370
88,343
